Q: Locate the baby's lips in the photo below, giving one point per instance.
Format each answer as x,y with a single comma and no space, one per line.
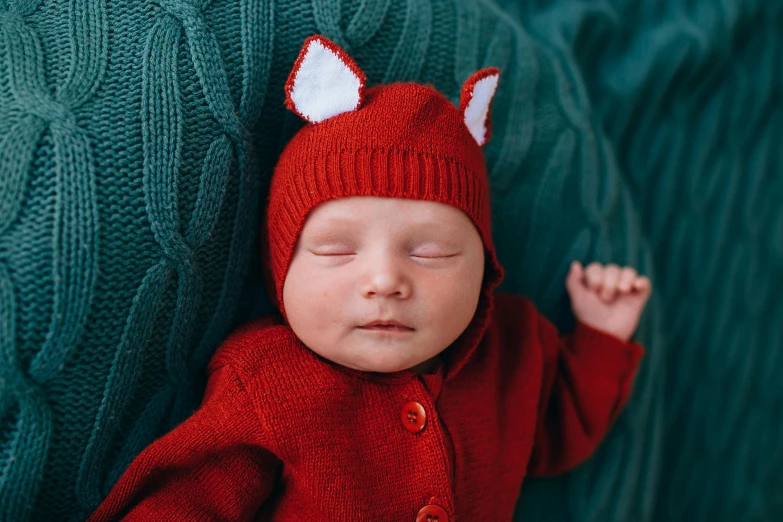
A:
385,322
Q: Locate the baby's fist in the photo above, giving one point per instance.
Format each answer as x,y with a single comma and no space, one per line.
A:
608,298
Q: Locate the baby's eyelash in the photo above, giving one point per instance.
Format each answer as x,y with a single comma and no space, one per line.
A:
433,257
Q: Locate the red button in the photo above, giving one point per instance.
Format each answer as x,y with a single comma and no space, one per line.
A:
413,417
432,513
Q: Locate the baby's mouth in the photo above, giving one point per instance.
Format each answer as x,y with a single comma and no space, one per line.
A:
386,326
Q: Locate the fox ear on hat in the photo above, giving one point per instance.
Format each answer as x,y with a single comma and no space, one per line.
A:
476,101
324,82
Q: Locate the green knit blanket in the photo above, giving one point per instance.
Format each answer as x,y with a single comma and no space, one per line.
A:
136,144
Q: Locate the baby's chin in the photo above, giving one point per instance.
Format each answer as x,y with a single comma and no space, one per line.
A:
381,365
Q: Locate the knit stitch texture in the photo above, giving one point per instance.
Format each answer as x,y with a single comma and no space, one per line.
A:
136,144
328,442
405,141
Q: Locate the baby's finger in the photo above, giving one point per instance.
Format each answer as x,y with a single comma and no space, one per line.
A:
642,283
611,275
627,278
594,274
575,277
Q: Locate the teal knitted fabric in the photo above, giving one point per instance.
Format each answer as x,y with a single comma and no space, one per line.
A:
136,144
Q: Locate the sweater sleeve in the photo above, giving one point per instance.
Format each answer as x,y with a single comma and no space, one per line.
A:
213,466
587,380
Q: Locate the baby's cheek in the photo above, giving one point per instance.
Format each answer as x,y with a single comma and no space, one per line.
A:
456,295
439,293
453,284
304,291
326,296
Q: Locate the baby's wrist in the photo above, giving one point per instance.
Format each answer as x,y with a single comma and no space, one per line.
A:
619,333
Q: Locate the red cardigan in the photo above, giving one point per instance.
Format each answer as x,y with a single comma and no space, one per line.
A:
285,435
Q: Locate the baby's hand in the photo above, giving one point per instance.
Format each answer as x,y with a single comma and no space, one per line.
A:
608,298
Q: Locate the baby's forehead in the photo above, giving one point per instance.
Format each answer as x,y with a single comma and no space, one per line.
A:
363,211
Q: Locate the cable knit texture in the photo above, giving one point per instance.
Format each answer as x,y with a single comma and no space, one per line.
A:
136,144
315,441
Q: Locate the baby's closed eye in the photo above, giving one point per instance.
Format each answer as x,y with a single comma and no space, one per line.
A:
433,249
434,254
334,252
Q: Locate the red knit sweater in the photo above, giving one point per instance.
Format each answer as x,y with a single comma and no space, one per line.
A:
284,435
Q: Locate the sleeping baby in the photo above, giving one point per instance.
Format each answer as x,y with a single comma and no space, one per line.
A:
394,384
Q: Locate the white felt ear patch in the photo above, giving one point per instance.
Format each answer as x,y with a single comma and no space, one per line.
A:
476,101
324,82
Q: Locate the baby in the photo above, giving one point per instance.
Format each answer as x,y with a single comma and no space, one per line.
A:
394,385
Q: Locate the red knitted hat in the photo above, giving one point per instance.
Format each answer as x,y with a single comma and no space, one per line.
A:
400,140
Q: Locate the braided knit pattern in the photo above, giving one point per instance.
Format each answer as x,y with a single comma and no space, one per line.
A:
72,239
136,144
681,102
160,308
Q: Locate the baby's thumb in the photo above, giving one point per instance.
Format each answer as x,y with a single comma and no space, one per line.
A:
575,278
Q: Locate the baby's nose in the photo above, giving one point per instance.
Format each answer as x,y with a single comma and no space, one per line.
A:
385,279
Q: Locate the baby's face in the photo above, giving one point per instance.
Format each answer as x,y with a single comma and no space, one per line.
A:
365,259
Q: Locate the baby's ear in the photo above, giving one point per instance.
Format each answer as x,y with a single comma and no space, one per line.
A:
476,101
324,82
